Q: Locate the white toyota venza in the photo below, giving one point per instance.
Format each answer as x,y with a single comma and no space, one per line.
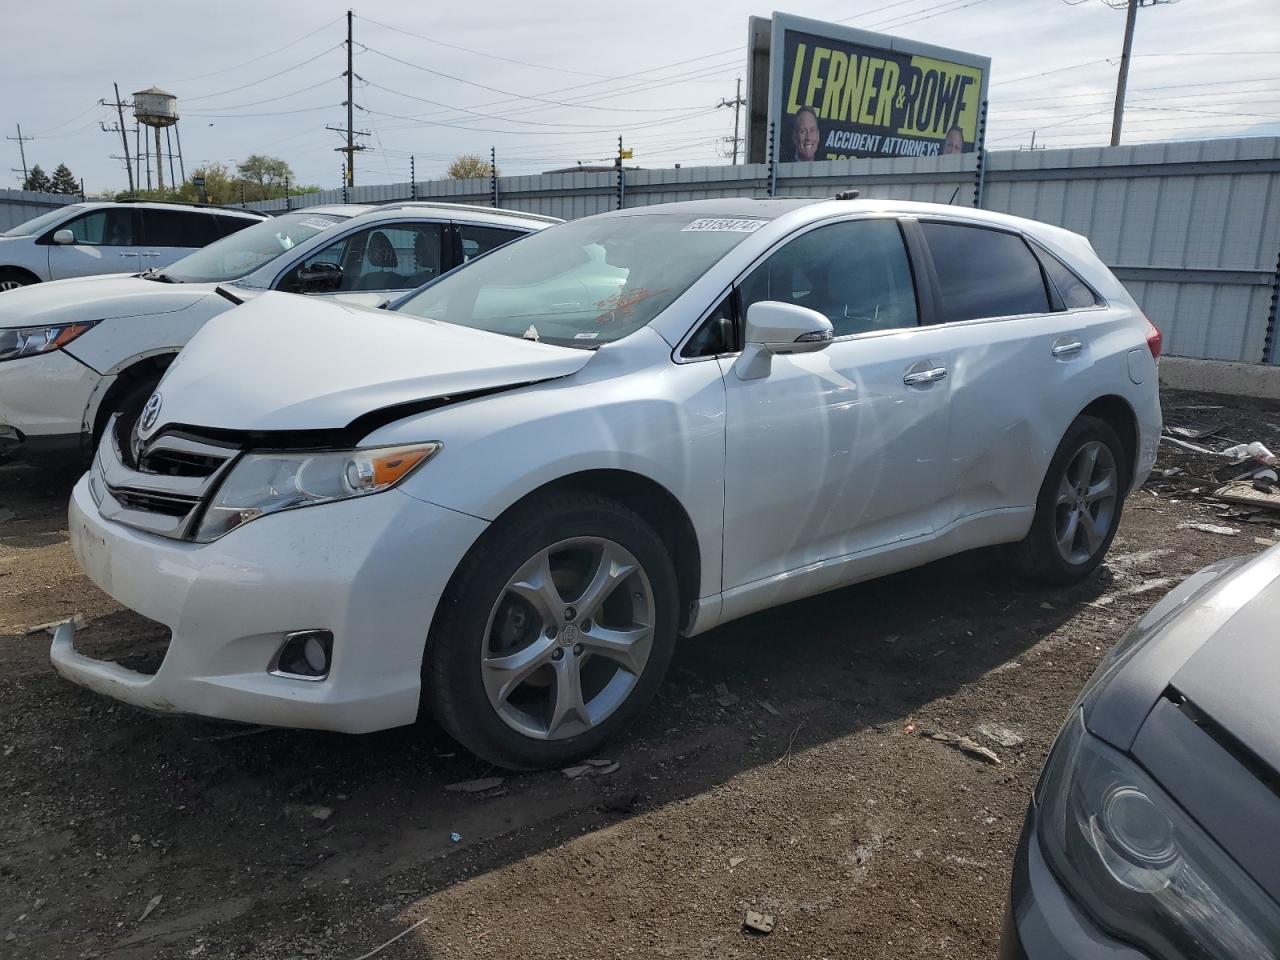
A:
504,500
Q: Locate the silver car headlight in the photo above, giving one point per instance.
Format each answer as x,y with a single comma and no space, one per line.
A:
263,483
17,342
1139,865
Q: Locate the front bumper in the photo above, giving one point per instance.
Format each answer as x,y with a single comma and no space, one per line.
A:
370,569
44,398
1042,922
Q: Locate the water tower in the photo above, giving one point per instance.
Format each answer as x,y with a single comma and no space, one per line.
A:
157,109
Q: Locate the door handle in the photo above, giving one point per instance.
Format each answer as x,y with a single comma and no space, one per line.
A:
925,376
148,253
129,254
1065,351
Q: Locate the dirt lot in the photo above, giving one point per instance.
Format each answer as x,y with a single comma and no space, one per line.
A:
863,838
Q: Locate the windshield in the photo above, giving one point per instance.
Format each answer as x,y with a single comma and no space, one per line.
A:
42,222
586,282
246,250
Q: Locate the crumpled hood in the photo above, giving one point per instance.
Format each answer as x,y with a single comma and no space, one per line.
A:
95,298
283,362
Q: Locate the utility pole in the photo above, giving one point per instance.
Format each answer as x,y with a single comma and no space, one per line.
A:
737,102
351,132
1122,81
22,153
124,136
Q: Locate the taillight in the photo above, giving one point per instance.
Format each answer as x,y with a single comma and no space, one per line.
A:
1155,339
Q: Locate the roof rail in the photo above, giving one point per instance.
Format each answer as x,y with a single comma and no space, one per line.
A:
191,203
473,208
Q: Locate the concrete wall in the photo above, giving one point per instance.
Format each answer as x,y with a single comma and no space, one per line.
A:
1193,229
18,206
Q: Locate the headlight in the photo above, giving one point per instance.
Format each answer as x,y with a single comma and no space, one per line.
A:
1141,866
262,483
30,341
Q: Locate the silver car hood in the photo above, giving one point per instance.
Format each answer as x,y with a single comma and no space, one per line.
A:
286,363
96,298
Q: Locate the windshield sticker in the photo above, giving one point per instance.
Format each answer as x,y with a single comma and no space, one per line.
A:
621,305
317,223
723,225
531,334
587,335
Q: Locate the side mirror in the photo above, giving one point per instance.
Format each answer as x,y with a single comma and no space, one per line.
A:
774,327
319,278
64,236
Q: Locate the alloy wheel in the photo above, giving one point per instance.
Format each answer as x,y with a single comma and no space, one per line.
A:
568,638
1086,502
10,285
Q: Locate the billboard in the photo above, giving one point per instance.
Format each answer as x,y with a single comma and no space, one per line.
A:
834,92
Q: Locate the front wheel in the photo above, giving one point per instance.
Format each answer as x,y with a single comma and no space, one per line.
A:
13,279
1079,506
554,632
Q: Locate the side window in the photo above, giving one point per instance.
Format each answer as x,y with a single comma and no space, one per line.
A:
984,273
230,225
1073,291
716,335
477,240
176,228
105,228
390,257
855,273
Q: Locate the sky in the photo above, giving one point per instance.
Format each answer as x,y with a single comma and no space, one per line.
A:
555,83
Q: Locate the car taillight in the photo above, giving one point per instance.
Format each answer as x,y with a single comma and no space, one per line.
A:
1155,339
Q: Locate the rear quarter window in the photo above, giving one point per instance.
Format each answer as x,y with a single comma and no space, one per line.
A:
1074,293
984,273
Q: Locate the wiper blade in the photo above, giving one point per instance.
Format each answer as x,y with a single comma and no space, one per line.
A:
158,277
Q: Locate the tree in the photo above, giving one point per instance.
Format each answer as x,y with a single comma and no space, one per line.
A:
266,174
37,180
469,166
64,181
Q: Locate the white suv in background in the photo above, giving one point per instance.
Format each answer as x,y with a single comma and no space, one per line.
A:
75,352
90,239
503,499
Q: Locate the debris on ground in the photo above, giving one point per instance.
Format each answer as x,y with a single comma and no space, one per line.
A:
151,906
322,813
77,621
573,773
475,786
455,837
734,861
770,709
963,744
1146,586
1209,528
724,697
758,922
1257,492
595,767
1001,736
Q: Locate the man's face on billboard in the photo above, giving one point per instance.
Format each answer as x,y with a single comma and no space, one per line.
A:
806,136
955,142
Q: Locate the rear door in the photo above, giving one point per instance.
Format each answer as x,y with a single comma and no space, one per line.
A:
169,235
840,451
475,239
1021,367
104,243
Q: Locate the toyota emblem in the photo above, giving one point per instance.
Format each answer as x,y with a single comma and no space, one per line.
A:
151,411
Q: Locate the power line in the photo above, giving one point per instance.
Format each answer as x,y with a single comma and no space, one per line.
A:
254,83
264,56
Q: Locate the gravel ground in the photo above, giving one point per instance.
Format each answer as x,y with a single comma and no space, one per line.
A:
802,788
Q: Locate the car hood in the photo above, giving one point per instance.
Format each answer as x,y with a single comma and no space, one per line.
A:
96,298
287,363
1220,652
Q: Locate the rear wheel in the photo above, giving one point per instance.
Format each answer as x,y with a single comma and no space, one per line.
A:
554,633
1079,507
11,279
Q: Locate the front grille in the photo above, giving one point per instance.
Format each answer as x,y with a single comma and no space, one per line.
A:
162,492
169,505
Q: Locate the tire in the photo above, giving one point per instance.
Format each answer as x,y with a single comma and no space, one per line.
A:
1056,551
11,279
493,674
128,404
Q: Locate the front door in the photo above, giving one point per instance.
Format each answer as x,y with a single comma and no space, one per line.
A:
844,450
104,243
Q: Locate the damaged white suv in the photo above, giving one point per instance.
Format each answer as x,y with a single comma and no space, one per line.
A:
504,501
